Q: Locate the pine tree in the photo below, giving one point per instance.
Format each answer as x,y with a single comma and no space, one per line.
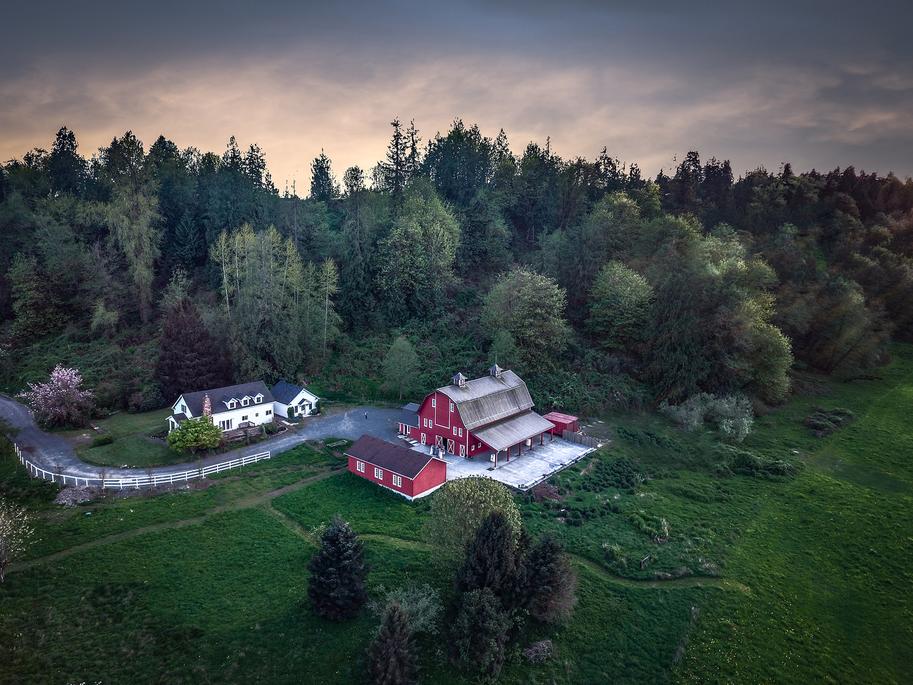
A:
391,657
188,247
393,172
549,581
337,584
323,185
490,558
480,632
189,357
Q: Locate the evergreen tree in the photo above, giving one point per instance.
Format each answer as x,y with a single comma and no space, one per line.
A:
490,558
66,168
353,180
323,185
549,581
392,173
188,246
189,357
337,584
391,657
480,633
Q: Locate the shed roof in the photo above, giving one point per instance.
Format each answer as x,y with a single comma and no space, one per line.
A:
558,416
218,396
488,399
408,414
401,460
513,430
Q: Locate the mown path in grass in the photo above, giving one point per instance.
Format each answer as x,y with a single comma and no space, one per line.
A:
243,503
264,501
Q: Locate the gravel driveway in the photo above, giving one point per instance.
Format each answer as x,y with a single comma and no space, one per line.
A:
54,453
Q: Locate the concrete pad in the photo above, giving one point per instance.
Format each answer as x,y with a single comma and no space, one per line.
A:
523,472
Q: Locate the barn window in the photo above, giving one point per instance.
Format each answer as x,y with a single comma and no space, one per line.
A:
397,481
451,407
378,473
433,401
360,466
454,430
461,432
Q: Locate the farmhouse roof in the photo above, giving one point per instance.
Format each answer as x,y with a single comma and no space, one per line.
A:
401,460
513,430
285,392
219,396
488,399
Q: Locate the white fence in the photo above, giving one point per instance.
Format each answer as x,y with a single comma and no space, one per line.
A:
152,480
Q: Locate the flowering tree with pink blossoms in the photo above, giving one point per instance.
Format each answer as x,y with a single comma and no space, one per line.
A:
61,401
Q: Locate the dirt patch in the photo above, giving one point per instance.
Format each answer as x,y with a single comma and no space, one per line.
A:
546,490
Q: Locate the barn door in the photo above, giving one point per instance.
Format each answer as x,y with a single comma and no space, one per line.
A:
451,446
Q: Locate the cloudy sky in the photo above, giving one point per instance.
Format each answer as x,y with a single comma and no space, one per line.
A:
820,84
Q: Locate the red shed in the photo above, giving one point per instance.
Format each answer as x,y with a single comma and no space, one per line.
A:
407,472
563,422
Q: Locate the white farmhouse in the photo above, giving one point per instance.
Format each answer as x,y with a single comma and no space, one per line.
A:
231,408
293,401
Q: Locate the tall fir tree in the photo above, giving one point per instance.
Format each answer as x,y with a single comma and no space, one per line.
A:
479,633
490,558
549,582
323,185
190,358
337,585
391,657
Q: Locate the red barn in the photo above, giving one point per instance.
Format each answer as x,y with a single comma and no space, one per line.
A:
563,422
491,417
410,473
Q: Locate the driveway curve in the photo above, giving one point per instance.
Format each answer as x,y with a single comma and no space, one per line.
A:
54,453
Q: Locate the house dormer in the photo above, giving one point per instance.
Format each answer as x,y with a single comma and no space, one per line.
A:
258,398
245,401
232,403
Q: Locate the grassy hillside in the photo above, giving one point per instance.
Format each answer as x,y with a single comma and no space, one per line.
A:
777,579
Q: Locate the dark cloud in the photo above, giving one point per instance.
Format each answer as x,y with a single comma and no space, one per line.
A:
818,83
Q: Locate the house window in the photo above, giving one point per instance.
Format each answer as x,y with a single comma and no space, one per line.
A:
269,411
232,404
258,399
256,413
225,424
360,466
397,481
378,473
244,418
245,401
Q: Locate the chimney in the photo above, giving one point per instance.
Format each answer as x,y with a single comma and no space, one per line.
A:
495,372
459,380
207,405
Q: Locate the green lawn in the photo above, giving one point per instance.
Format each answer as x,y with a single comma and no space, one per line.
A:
132,444
818,566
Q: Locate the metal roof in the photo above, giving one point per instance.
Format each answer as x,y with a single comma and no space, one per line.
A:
558,416
408,414
488,399
514,430
400,460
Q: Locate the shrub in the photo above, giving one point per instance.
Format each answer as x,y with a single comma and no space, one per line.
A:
539,652
420,604
747,463
100,440
825,421
194,435
623,473
731,414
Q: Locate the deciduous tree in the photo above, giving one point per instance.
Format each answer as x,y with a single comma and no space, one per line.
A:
16,533
62,401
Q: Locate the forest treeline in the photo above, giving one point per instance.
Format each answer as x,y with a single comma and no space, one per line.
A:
158,269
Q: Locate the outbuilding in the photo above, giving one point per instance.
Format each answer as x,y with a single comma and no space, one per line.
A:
407,472
563,422
293,401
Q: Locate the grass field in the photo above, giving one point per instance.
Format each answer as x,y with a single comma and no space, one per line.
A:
132,445
802,579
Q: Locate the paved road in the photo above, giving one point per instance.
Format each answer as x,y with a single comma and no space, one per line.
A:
54,453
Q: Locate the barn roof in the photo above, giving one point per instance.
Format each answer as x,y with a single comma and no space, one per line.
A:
408,414
513,430
401,460
218,396
488,399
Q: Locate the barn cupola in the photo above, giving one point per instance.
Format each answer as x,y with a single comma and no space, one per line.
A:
459,380
495,372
